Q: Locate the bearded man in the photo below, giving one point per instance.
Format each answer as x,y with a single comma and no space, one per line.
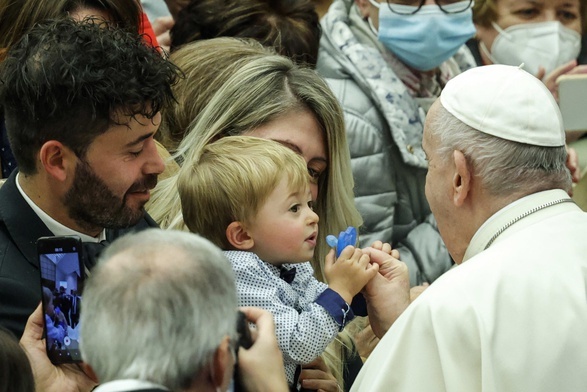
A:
81,102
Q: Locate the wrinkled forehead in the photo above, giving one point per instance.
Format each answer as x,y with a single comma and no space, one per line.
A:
81,12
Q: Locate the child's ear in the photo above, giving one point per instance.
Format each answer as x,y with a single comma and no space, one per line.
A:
238,236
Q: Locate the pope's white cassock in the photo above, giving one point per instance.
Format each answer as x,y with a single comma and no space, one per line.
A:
512,317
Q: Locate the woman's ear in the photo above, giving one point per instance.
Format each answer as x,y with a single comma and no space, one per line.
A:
238,236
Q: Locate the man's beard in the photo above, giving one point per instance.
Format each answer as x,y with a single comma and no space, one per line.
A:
93,205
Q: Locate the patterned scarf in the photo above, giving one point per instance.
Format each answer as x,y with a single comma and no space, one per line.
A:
403,95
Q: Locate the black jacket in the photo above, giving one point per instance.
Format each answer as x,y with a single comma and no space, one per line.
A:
20,277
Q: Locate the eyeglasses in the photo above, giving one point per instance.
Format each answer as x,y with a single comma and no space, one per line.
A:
410,7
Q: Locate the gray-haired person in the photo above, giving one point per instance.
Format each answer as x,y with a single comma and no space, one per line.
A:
511,316
82,104
160,314
160,308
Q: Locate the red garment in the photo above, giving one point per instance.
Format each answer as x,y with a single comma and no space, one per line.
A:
146,29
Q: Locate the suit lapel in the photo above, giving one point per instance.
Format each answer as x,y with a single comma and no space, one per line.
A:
23,225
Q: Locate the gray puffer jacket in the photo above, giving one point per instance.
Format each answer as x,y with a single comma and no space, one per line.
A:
384,128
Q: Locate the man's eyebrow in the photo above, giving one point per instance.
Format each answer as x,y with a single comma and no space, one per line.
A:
140,139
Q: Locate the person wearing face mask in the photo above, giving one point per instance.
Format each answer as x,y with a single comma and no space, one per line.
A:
545,35
387,61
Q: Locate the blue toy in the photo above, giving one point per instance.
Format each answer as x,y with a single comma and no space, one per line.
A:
345,238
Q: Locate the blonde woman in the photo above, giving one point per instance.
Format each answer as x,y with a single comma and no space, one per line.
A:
265,96
267,88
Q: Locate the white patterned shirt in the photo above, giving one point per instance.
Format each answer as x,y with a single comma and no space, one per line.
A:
307,314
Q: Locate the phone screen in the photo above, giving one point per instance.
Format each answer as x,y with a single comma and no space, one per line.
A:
572,92
62,284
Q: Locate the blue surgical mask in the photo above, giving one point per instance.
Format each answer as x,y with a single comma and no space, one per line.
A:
427,38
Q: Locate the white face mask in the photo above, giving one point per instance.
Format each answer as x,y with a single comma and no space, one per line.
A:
546,44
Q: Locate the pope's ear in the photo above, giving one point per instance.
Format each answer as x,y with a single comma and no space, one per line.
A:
461,179
238,236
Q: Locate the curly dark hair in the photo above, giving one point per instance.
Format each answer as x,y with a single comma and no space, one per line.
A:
292,27
69,81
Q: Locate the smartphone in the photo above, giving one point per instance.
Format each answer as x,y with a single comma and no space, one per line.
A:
243,331
62,285
572,93
244,340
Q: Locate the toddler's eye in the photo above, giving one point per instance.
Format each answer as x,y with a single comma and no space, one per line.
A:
294,208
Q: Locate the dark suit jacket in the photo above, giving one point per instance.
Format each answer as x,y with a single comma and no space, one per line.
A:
20,277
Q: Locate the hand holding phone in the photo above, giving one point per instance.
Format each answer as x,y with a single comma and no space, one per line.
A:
262,364
49,377
62,278
244,340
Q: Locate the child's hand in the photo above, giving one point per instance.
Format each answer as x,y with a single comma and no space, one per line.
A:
350,273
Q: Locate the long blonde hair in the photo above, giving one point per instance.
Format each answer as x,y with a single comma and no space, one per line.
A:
205,67
263,88
259,91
